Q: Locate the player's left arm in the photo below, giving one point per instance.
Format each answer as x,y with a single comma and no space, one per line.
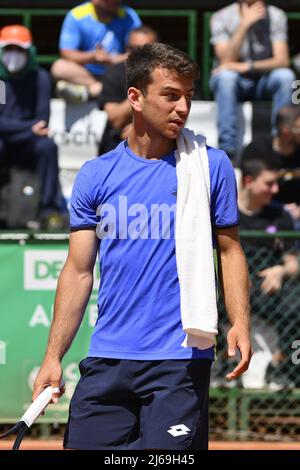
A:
234,280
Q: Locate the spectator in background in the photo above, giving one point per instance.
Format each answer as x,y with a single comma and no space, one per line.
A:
24,119
250,44
287,145
113,98
271,261
93,36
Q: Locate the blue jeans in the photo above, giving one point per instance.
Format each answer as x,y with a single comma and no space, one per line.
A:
231,88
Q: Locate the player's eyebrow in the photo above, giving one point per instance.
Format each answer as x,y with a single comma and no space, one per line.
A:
170,88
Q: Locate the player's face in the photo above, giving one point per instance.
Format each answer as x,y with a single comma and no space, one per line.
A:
166,106
264,187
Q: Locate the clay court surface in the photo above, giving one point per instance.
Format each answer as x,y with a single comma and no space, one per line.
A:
215,445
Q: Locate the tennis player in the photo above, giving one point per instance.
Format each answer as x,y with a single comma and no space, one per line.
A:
139,387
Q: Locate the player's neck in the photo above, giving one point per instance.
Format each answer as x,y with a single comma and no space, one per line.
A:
148,147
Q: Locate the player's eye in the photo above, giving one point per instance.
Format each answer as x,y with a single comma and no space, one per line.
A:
172,97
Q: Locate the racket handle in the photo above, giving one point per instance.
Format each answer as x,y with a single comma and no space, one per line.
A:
35,409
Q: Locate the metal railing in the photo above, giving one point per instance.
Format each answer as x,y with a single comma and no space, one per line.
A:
264,404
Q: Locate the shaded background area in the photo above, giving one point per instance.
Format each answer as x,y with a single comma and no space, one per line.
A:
172,30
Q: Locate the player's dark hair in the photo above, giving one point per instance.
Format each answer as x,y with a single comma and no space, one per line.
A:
143,60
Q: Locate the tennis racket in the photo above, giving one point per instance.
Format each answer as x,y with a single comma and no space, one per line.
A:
30,415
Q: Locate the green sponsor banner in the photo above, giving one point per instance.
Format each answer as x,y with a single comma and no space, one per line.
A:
28,279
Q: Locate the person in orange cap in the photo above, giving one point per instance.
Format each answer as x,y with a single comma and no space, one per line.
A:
15,42
24,118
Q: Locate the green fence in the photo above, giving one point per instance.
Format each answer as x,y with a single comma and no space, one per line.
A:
29,268
264,404
27,14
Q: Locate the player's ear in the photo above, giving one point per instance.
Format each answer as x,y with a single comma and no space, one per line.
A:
135,98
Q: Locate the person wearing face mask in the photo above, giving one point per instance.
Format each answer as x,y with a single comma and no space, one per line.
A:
24,139
14,59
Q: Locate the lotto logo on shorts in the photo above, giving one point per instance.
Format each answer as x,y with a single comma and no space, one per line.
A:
178,430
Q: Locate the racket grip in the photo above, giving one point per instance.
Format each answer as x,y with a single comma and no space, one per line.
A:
35,409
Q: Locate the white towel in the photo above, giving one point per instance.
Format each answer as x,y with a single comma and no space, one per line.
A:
193,240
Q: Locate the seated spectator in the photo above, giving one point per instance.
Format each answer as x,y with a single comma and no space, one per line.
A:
287,145
93,36
113,98
250,44
272,261
24,118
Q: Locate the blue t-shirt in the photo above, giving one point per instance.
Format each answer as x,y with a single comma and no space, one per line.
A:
82,30
139,297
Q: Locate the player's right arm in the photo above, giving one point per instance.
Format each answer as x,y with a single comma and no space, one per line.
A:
73,291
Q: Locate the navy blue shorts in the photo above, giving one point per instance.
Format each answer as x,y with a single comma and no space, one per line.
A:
123,404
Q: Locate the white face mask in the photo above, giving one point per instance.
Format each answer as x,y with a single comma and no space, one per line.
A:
14,61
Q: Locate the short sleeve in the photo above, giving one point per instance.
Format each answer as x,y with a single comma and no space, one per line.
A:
70,37
83,206
224,207
218,30
278,26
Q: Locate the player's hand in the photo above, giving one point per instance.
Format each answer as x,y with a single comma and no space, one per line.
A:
238,337
250,14
50,374
272,279
40,128
101,56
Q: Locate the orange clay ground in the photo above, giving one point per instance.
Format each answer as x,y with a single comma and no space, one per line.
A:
29,444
